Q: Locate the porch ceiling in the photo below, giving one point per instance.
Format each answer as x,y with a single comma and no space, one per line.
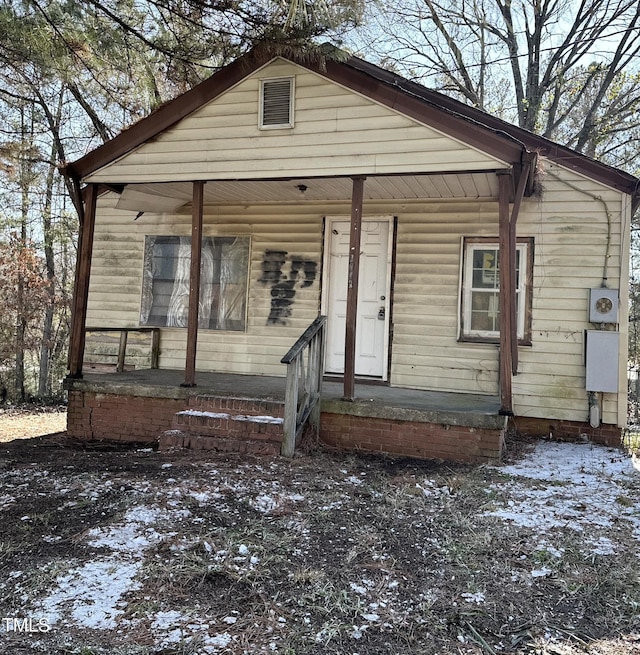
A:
166,196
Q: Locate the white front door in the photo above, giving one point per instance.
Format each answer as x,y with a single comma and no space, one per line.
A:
372,320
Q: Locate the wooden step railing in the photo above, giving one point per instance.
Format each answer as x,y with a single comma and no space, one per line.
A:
305,369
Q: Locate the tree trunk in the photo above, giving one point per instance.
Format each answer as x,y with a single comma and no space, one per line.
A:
21,321
44,384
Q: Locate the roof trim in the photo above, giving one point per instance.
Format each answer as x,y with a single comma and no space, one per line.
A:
561,155
165,116
468,124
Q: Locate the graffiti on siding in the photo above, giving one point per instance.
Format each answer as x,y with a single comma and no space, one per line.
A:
285,274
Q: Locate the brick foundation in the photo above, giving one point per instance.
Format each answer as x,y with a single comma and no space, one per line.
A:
122,418
606,434
107,416
176,439
411,438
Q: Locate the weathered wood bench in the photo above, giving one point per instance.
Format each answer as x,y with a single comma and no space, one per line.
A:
120,349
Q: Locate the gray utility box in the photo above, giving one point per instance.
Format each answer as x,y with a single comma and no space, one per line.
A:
603,305
602,357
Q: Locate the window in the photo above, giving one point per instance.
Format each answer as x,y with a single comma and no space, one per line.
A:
276,103
223,282
481,289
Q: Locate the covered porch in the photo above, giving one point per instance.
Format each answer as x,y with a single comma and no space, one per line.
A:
346,412
199,408
361,210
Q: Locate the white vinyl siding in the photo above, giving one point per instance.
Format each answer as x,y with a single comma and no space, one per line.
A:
426,353
572,224
336,132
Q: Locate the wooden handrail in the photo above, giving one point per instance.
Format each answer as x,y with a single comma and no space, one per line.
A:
304,339
305,364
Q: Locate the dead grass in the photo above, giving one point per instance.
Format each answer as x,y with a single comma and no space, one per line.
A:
28,422
319,555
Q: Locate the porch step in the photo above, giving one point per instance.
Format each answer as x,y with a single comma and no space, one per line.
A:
225,423
238,405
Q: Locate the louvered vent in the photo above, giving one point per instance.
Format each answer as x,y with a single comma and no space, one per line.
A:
276,103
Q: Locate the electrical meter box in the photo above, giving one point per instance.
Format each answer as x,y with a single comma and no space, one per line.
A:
602,357
603,305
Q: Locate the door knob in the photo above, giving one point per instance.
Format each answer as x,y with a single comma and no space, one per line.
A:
381,313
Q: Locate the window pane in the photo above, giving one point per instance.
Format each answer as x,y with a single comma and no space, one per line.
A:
485,311
223,282
485,269
480,298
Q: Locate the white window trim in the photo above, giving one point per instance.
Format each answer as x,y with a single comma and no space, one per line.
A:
281,126
467,277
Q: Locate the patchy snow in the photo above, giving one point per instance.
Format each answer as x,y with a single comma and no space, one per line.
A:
579,487
264,503
133,535
567,497
275,420
6,500
171,628
268,503
93,592
359,589
477,597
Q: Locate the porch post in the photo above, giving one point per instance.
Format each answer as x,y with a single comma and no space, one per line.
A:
517,201
512,295
506,294
81,292
357,197
194,284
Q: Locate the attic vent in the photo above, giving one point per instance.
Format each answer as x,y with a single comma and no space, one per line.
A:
276,103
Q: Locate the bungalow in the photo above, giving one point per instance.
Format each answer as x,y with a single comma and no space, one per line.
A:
325,244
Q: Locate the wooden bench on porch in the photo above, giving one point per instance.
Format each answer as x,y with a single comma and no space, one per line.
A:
119,349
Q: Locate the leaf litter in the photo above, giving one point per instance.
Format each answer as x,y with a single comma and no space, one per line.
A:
133,552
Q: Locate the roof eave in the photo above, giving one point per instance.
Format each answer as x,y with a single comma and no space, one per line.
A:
561,155
489,134
164,117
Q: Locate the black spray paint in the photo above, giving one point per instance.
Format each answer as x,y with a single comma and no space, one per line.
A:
285,273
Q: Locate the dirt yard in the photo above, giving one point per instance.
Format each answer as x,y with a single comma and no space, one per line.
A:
127,551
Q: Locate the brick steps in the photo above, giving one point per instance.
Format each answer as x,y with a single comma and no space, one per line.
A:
230,424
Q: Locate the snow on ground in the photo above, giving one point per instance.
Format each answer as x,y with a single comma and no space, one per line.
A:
575,486
91,595
587,489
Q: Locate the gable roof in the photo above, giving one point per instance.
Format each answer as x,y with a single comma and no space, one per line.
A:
471,125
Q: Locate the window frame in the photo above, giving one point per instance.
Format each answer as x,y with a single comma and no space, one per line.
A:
147,284
525,245
277,126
